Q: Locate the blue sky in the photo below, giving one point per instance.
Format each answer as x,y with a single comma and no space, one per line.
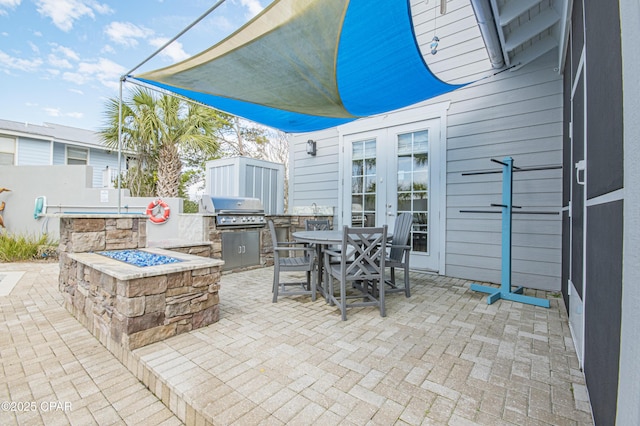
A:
60,60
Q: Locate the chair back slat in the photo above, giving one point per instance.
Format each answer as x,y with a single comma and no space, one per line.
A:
367,257
317,225
401,234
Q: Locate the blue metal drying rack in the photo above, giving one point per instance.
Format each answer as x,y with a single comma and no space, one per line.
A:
505,291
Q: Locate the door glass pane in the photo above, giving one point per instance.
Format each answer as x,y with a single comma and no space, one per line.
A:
413,185
363,183
356,185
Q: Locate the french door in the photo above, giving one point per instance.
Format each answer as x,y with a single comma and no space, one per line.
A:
396,170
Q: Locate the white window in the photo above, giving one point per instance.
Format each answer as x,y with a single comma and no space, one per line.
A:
7,151
77,155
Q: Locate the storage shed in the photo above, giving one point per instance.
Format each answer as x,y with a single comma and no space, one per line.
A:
247,177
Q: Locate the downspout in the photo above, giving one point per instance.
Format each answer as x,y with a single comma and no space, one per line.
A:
487,24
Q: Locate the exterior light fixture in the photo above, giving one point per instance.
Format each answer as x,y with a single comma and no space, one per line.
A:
311,147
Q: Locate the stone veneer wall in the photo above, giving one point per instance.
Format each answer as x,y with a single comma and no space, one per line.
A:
133,313
80,234
144,307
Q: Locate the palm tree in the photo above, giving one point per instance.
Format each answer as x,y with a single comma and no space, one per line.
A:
155,129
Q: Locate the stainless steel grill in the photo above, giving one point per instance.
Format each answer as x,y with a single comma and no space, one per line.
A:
234,211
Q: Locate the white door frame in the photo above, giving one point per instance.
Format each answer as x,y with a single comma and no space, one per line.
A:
577,304
416,114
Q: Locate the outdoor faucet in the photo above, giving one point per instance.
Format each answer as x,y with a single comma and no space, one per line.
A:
315,208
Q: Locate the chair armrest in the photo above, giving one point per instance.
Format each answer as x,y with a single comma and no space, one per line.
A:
332,253
306,249
291,243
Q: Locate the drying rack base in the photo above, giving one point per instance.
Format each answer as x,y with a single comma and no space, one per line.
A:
515,295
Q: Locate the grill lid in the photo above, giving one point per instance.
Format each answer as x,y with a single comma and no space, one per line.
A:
231,205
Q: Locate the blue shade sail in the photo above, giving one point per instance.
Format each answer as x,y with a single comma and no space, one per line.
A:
305,65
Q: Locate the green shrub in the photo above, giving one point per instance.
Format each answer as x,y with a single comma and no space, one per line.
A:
16,248
189,206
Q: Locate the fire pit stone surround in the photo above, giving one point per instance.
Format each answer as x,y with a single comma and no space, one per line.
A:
127,306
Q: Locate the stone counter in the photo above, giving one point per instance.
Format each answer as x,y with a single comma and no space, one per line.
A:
133,306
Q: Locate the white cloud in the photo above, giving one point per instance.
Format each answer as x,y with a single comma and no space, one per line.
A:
77,91
57,62
65,51
253,6
64,13
57,112
108,49
174,51
52,112
8,4
9,62
126,33
103,71
61,56
34,47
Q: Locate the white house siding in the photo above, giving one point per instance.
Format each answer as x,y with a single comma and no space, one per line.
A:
314,179
461,55
59,154
517,114
33,152
100,160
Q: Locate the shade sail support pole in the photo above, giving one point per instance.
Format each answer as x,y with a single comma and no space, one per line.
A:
120,145
164,46
123,79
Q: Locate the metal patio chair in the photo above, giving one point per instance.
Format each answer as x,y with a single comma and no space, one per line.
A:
399,253
303,260
317,225
362,264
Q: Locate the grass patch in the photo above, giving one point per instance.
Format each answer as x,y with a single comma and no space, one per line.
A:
16,248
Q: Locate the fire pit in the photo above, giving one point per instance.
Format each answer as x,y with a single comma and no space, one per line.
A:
139,258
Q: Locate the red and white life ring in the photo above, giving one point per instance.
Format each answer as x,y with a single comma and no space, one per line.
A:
152,210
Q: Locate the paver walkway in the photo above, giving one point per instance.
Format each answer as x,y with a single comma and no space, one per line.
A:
54,372
441,357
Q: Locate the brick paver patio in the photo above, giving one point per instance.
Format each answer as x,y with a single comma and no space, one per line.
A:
54,372
441,357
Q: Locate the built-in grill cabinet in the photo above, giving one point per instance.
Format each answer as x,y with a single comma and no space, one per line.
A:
237,218
240,249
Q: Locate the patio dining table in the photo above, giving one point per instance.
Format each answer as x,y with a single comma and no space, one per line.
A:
322,239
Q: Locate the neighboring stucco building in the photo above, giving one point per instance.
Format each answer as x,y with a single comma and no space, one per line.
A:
25,144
